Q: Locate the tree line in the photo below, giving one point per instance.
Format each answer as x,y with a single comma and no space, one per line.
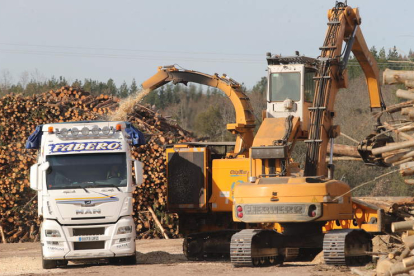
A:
29,85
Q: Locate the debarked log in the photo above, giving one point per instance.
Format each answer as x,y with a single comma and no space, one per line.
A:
393,146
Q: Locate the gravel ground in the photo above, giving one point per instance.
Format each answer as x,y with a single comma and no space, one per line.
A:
155,257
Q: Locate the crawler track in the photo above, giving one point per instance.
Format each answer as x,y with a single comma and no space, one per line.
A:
347,247
213,245
252,247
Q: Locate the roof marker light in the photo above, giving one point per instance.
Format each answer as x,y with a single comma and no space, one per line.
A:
105,130
50,129
75,132
95,130
118,127
64,132
85,131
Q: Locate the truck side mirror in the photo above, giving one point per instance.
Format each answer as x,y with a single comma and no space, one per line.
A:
34,177
36,173
139,174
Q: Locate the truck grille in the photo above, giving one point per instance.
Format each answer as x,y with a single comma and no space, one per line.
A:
89,245
88,231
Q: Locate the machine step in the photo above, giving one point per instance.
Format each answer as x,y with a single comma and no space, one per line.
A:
334,22
317,108
327,48
323,77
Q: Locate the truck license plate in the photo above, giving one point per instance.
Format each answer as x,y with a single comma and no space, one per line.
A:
89,238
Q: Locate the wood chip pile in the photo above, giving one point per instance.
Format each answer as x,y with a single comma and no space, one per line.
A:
18,118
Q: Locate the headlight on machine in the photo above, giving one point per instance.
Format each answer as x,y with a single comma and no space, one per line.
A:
52,233
124,230
327,198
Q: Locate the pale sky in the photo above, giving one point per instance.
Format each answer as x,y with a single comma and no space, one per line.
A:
102,39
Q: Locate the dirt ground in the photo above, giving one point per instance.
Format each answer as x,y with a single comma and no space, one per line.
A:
155,257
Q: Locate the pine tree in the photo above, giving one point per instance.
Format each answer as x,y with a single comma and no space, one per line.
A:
111,87
210,123
133,88
123,90
176,93
184,90
381,55
77,83
192,91
392,54
411,55
374,52
151,98
199,92
261,86
215,92
87,85
169,96
159,101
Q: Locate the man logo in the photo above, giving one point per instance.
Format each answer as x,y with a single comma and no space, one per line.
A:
88,203
88,211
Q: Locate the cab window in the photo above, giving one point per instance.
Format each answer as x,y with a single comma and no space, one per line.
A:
284,86
309,86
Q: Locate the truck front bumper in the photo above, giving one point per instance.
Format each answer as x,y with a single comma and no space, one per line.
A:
87,241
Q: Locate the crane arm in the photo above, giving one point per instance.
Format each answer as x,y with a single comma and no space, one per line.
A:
245,120
343,26
370,68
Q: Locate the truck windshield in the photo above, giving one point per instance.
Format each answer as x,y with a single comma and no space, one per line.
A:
284,86
86,171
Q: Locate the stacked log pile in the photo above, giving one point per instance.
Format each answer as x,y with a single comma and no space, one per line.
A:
18,118
400,260
400,153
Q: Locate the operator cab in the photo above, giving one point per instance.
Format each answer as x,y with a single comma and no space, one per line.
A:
290,87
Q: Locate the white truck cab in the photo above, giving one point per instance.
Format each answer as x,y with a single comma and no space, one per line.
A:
83,176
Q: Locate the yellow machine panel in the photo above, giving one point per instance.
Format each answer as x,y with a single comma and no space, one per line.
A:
226,174
288,199
366,216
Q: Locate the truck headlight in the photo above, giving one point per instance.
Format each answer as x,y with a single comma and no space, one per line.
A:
52,233
124,230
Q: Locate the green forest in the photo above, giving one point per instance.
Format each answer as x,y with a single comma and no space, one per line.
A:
205,112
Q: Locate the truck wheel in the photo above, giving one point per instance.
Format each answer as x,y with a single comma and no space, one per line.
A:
48,264
130,260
